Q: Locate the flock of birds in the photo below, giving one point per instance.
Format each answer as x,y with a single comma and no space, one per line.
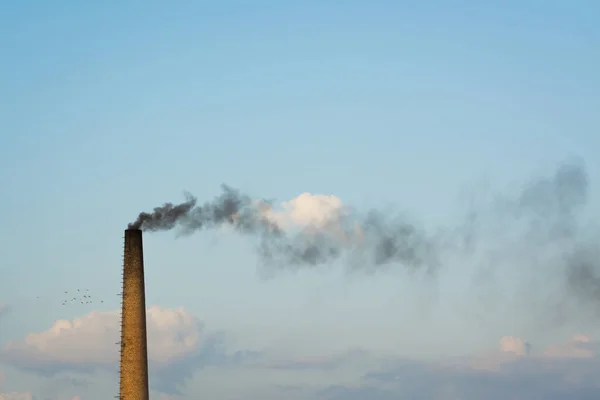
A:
80,296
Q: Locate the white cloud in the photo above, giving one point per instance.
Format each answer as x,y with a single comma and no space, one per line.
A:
512,344
315,214
306,210
579,346
91,339
563,370
177,345
310,209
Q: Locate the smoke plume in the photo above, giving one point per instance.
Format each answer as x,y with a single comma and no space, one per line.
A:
583,277
524,236
535,249
337,234
340,233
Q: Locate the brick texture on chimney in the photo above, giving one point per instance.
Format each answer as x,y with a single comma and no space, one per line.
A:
134,348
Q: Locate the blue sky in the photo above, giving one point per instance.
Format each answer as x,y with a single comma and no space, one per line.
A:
112,108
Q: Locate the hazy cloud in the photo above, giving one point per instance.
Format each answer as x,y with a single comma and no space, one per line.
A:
178,345
512,344
326,362
514,370
564,370
16,396
12,395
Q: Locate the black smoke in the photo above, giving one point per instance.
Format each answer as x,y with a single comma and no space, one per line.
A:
384,240
539,230
165,217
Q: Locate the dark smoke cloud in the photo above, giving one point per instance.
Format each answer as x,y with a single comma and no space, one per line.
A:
230,208
165,217
583,277
534,251
536,231
383,241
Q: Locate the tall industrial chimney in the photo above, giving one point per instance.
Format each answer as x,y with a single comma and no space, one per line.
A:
134,348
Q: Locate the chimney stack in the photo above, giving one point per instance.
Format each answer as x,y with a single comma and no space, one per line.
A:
134,348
